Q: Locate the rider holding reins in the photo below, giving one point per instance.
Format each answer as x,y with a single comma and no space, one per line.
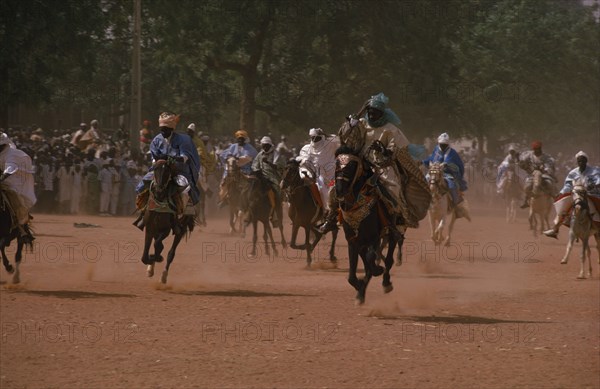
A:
181,148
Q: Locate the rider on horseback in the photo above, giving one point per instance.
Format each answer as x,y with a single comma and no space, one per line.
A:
244,154
535,159
510,163
271,170
454,168
178,146
317,159
17,175
591,177
380,142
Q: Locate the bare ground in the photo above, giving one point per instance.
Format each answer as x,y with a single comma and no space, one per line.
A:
495,309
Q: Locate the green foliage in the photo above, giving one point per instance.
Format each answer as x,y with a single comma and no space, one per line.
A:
502,68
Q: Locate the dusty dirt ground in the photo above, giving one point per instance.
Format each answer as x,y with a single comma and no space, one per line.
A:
495,309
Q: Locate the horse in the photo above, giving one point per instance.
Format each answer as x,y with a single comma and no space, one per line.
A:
259,210
361,207
8,233
511,193
161,219
303,212
540,204
581,227
441,205
236,183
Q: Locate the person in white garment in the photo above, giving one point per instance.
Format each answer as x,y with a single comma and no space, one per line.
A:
106,181
65,183
590,177
17,178
317,160
76,179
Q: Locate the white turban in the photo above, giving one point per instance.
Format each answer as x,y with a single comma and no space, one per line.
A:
266,141
581,154
315,132
511,147
192,127
4,139
444,139
131,165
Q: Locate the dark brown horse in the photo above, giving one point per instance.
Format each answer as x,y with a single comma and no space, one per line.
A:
356,190
259,210
303,212
161,217
8,233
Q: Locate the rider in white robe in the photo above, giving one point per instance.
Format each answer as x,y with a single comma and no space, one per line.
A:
590,177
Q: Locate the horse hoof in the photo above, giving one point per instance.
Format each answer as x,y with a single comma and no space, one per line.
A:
581,277
10,269
398,262
563,262
359,301
388,288
150,271
164,276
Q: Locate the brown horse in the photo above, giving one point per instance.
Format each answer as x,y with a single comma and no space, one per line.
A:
161,217
303,212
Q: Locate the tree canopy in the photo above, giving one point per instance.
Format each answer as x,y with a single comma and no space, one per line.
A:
495,69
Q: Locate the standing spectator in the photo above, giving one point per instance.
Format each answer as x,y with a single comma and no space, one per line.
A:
78,134
76,174
129,180
116,186
106,182
46,176
65,183
92,181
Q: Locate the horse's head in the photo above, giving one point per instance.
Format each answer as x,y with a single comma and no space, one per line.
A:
579,195
348,169
231,166
291,174
537,180
352,133
164,171
436,177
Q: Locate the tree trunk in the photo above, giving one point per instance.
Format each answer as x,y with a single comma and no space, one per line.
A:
248,102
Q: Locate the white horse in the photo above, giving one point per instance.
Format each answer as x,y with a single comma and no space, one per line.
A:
540,204
441,205
581,229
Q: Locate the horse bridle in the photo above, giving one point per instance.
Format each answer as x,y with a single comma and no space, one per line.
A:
342,161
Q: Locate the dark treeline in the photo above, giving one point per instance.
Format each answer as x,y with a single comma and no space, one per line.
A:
506,69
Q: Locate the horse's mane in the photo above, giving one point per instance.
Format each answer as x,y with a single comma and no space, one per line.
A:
344,149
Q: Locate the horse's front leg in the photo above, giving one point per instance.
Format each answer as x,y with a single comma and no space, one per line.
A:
309,247
16,278
352,267
389,262
584,251
368,257
254,237
332,256
283,242
268,235
569,248
171,255
450,227
293,244
5,261
146,260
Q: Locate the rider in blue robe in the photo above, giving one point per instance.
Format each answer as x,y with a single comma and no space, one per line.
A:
454,168
179,146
